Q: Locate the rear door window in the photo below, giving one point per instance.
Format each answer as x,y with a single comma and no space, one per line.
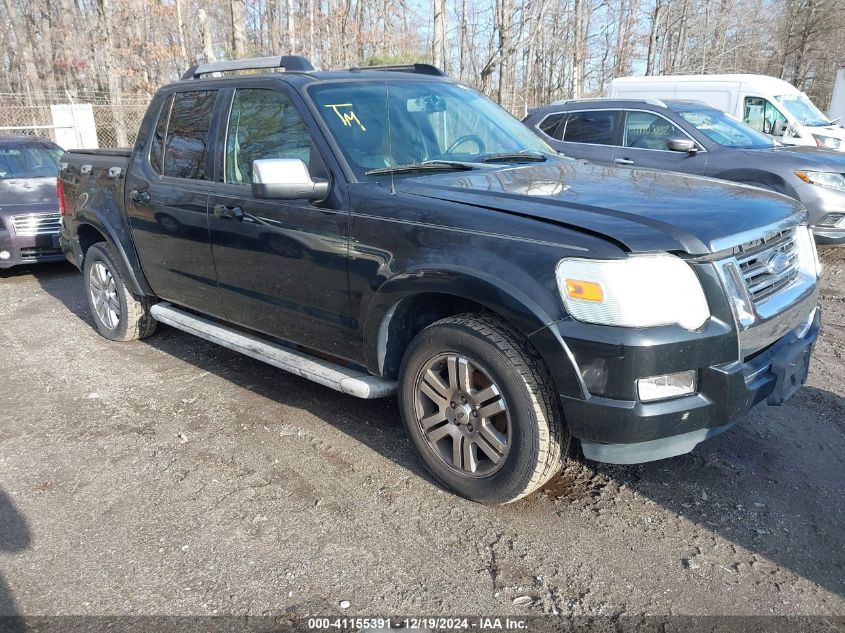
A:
597,127
187,139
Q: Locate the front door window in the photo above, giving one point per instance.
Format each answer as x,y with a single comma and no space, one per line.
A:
262,124
647,130
763,116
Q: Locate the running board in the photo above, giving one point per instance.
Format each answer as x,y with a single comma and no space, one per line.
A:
337,377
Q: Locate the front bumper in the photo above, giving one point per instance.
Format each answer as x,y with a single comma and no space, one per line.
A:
821,203
28,249
614,426
829,235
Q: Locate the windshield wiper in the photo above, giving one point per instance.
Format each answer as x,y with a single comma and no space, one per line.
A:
515,157
429,165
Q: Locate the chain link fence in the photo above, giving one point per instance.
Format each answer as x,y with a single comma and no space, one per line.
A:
116,123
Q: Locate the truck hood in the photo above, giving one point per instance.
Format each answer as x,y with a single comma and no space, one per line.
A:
642,210
28,195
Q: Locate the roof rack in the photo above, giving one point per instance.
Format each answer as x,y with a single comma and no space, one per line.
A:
288,62
654,102
420,69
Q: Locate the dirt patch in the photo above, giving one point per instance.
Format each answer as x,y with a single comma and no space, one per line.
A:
172,476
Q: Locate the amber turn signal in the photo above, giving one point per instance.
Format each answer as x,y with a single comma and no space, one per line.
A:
586,290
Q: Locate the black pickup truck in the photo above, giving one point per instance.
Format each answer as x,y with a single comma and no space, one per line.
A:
388,230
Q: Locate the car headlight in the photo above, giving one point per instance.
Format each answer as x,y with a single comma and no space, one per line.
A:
828,179
827,141
638,291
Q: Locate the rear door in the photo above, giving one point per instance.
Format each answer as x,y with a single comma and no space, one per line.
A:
645,136
589,134
167,195
281,264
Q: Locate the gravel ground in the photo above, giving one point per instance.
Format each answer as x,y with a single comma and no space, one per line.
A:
172,476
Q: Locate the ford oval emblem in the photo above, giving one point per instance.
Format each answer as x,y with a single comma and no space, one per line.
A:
777,263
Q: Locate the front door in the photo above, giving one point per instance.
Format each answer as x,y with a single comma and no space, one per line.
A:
281,264
644,144
167,197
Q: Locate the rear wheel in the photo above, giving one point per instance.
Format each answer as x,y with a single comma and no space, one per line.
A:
479,406
118,314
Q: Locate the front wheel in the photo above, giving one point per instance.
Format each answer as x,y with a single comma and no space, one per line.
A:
118,314
480,408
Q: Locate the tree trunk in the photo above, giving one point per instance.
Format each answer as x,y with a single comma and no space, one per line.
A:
27,55
578,52
112,72
462,45
237,13
654,38
438,45
207,40
291,30
180,35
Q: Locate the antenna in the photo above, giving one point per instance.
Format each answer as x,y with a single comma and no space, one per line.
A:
389,134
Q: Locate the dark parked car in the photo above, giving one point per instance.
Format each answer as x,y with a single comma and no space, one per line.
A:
384,231
29,209
691,137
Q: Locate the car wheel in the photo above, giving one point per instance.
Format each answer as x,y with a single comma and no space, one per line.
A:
480,408
118,314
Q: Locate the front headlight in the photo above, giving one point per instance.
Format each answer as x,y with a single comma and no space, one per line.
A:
827,141
828,179
638,291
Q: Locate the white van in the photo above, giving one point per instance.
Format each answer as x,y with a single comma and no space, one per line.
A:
837,101
769,105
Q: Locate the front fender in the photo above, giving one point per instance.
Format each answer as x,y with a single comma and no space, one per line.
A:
513,304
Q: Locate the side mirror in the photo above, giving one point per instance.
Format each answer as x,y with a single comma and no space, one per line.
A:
286,179
681,145
778,127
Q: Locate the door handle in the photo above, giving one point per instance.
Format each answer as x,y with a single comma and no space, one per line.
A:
223,212
623,161
139,197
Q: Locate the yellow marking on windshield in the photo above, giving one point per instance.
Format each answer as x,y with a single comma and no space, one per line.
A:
347,118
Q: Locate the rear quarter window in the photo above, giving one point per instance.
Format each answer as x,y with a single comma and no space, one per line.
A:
550,124
157,142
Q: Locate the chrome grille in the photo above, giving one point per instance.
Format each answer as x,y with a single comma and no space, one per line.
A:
768,265
37,223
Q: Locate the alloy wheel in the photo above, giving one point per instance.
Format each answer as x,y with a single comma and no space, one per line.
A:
462,415
104,295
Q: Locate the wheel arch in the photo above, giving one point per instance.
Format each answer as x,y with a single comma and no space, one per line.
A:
407,303
90,233
758,178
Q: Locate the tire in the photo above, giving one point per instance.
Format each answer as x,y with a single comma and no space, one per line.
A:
105,288
509,390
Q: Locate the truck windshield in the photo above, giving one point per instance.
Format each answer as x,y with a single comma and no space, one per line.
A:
29,161
726,130
803,110
429,121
